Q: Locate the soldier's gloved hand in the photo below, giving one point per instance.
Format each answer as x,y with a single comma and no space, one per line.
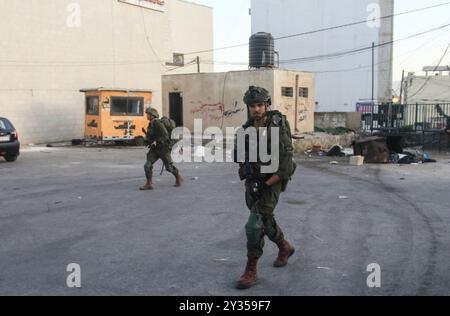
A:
257,187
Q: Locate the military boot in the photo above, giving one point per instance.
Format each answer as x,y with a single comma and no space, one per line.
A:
284,253
148,186
179,179
249,278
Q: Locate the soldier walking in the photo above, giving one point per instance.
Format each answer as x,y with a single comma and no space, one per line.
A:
263,190
160,145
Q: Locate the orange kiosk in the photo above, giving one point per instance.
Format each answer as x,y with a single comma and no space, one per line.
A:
116,114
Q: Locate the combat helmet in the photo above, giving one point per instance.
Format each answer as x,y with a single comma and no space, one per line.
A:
257,95
153,112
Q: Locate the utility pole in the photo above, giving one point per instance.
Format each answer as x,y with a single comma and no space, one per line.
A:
401,87
373,86
198,64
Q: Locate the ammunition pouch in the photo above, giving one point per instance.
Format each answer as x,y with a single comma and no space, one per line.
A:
285,182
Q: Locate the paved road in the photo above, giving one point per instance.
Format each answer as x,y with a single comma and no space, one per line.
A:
81,205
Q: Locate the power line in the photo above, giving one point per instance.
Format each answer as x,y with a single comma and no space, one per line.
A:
343,53
428,79
326,28
148,39
358,50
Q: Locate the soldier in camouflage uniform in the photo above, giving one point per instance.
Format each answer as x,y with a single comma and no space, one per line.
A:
159,142
263,190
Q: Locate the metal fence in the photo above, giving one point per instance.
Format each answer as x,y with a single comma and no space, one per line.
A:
395,118
424,123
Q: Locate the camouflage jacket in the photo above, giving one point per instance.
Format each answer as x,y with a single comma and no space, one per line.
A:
286,150
157,132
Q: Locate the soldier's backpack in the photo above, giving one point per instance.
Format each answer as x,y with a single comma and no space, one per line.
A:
280,120
169,124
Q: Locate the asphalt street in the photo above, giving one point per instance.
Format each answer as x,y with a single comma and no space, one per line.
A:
82,205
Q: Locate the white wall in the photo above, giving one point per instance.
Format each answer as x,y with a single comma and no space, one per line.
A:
340,82
44,62
217,98
436,89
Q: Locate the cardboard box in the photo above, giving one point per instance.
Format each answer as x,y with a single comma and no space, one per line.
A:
357,160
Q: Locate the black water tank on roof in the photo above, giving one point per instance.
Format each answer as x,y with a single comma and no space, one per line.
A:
262,50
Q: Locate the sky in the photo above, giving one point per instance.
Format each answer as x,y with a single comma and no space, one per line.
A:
232,25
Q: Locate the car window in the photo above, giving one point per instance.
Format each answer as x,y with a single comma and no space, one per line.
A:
5,124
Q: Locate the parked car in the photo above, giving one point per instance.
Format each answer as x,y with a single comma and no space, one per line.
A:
9,140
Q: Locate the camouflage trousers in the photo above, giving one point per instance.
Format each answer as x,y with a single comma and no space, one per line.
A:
261,221
153,156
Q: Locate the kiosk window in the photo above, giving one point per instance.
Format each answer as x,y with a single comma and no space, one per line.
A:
127,106
92,105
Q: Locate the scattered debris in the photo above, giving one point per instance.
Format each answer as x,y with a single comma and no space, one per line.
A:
413,157
324,268
336,151
334,163
348,152
317,150
356,160
195,178
222,259
379,149
374,149
343,197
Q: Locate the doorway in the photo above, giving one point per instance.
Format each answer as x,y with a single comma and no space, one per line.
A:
176,107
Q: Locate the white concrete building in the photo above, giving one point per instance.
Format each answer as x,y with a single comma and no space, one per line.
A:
433,87
50,49
217,98
341,82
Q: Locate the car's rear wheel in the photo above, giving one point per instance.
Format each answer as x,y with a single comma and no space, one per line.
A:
11,158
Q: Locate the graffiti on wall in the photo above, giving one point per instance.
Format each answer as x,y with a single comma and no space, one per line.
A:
303,111
302,114
216,112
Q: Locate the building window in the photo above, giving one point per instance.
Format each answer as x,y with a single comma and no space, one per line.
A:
127,106
303,92
287,92
92,105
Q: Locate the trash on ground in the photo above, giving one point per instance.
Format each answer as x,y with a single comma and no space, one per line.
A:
343,197
356,160
374,149
336,151
221,259
334,163
348,151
